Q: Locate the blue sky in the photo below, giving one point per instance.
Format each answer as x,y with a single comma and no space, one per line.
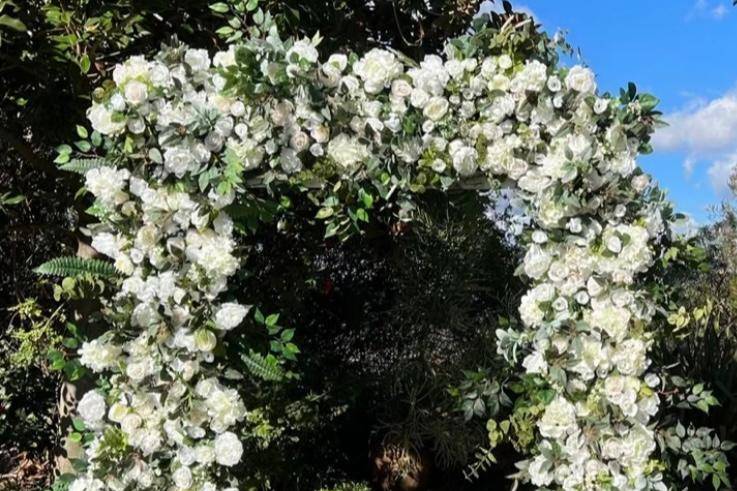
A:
685,53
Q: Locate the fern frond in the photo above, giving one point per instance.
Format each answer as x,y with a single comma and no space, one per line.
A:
75,266
81,166
265,368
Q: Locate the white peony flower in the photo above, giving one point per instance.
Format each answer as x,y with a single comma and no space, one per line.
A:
347,151
230,315
179,160
535,363
581,80
630,357
536,261
558,420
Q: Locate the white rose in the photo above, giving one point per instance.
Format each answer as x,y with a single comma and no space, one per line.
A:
339,61
499,82
377,69
130,423
320,133
504,62
182,478
333,68
205,340
197,59
228,449
436,108
102,120
299,141
230,315
610,319
622,392
290,161
204,454
137,371
535,363
401,88
536,262
640,182
302,50
488,68
92,407
179,160
455,68
136,92
347,151
630,357
581,80
117,412
419,98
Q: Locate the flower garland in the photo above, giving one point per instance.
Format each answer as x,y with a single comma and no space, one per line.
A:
185,135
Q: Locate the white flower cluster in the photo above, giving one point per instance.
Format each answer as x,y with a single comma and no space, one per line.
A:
541,130
177,252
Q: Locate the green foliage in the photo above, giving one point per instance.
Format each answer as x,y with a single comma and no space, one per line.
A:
28,394
81,166
265,367
76,266
63,358
7,199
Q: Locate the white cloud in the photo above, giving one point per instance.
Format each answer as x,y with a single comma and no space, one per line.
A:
719,172
706,131
706,9
688,166
709,127
720,11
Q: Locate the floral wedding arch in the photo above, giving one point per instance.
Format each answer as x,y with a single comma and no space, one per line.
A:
185,136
